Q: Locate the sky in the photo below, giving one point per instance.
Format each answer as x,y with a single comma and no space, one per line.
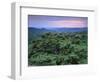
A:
43,21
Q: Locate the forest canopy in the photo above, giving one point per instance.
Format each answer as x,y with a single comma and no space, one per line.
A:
58,48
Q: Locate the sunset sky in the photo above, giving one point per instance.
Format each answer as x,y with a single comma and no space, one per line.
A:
40,21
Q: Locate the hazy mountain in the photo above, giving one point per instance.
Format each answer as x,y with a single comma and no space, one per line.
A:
63,29
69,29
37,32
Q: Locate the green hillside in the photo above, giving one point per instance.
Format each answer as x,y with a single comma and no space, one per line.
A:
52,48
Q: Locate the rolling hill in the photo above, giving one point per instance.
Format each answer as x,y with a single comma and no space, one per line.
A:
37,32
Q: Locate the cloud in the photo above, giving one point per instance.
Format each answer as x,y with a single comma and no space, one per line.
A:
40,21
69,23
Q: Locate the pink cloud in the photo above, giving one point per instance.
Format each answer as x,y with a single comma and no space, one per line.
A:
69,23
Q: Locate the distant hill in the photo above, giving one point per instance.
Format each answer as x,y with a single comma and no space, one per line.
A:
36,32
69,29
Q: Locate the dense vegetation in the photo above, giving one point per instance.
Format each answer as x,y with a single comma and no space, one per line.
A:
53,48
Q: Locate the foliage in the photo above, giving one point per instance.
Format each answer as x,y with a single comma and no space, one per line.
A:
53,48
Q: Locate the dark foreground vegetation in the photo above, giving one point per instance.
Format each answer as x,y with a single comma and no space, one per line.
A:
58,49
